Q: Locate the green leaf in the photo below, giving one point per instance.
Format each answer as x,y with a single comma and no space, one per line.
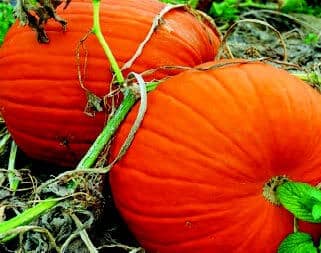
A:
217,9
6,19
316,211
193,3
226,10
293,5
299,199
311,39
297,243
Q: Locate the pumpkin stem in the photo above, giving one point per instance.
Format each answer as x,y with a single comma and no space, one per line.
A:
270,187
112,125
97,31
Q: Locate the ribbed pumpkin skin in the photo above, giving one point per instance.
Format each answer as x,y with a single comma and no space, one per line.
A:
40,97
192,179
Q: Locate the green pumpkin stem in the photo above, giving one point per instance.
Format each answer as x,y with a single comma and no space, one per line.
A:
103,138
97,31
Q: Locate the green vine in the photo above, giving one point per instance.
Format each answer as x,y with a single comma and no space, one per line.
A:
97,31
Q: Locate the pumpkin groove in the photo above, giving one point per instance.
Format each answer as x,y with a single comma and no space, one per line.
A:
40,97
193,178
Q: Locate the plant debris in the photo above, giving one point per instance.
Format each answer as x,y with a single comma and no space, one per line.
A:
294,43
37,13
300,33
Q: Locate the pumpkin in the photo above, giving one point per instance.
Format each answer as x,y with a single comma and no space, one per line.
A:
198,176
41,99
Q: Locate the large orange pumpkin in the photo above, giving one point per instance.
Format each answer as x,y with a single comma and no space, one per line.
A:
192,180
40,97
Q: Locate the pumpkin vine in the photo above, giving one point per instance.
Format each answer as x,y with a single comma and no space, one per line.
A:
97,31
